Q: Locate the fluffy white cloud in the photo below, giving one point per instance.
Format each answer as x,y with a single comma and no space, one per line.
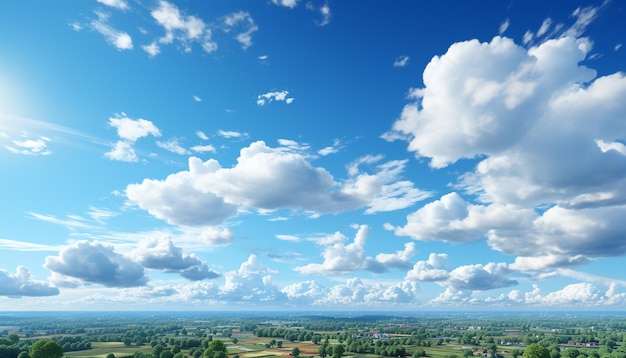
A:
251,282
152,49
306,292
581,294
214,236
132,129
355,292
543,91
453,219
122,151
341,259
286,3
93,262
186,29
480,277
279,96
434,269
402,292
268,178
565,237
463,279
400,259
546,133
178,201
452,296
22,283
161,254
504,89
129,130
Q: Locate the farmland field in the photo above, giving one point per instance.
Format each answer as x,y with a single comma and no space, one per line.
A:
102,349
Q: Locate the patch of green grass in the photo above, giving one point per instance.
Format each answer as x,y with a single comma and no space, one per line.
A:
102,349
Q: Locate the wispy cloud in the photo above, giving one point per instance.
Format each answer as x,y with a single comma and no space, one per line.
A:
173,146
291,238
331,149
503,26
36,146
323,10
401,61
243,21
27,246
117,4
120,39
203,148
232,134
71,223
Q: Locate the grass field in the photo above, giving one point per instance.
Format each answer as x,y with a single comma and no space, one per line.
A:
102,349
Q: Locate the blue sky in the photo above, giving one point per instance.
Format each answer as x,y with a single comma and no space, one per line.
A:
312,155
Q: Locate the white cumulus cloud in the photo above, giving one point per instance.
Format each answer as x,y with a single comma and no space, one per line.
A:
22,283
93,262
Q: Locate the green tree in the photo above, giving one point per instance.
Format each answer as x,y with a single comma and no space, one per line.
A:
13,338
235,340
279,344
535,350
216,349
23,355
322,351
295,352
570,353
127,341
156,351
110,355
167,354
46,348
338,350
